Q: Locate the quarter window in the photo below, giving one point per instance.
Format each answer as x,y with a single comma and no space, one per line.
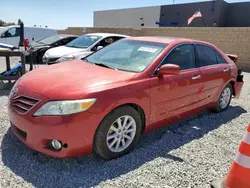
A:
207,56
183,56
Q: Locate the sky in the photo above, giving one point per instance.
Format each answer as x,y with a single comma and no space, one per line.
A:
60,14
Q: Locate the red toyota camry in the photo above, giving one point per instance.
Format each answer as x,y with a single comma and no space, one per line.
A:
105,102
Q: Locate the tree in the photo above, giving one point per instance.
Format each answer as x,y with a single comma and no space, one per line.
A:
3,24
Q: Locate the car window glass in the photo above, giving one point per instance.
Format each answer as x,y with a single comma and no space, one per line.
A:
105,42
128,55
84,41
66,40
220,60
183,56
206,55
13,32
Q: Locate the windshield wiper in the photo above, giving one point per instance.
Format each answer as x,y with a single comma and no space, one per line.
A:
103,65
86,60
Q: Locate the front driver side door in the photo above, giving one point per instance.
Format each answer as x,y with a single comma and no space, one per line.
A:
173,95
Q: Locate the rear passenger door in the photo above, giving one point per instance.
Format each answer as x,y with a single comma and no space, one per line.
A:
214,72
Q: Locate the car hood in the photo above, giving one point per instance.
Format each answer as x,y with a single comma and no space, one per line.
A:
62,51
71,80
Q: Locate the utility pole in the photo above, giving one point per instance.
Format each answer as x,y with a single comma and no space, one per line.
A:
173,2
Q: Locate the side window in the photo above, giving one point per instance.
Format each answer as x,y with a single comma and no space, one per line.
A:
13,32
105,42
220,60
66,41
207,56
183,56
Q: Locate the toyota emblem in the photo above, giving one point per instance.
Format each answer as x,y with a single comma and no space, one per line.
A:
14,91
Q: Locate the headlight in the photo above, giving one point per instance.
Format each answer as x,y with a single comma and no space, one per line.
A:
65,107
65,58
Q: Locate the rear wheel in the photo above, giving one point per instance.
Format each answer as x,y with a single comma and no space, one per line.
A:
224,99
118,133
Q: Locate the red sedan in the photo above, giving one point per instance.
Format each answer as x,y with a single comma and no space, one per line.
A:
105,102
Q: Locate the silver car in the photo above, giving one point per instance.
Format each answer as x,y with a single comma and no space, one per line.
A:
80,47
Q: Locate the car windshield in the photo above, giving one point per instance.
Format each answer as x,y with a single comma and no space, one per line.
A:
127,55
49,40
84,41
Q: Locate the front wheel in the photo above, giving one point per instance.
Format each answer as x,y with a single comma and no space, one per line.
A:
118,133
224,99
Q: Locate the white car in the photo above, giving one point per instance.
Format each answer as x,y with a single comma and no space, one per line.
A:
80,47
11,35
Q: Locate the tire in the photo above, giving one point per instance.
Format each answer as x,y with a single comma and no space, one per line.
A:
220,106
103,145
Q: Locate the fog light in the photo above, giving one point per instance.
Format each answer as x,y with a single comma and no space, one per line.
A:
56,144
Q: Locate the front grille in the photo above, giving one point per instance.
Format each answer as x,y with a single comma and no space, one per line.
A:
23,104
19,132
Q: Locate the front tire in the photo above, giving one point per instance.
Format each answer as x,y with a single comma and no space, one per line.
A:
224,99
118,133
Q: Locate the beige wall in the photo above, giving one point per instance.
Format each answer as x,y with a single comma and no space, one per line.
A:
231,40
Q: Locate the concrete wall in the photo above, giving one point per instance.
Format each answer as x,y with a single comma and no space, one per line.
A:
124,18
231,40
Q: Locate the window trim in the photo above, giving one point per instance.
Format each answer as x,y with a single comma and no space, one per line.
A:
177,45
212,48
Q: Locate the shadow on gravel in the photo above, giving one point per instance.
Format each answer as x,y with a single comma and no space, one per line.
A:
87,171
5,88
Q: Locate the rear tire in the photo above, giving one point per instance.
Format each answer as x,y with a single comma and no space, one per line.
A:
118,133
224,99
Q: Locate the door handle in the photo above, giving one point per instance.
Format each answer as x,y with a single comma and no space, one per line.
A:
226,70
196,77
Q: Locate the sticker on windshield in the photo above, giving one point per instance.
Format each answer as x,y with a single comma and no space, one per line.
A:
147,49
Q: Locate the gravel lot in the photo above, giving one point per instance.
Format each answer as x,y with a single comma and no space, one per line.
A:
190,153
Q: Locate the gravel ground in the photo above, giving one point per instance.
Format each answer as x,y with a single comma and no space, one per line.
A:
190,153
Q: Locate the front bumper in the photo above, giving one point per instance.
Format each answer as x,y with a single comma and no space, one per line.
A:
76,131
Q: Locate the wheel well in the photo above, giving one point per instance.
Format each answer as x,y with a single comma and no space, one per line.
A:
140,111
232,83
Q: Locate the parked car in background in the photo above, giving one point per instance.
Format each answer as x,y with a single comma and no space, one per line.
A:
105,103
80,47
38,48
11,34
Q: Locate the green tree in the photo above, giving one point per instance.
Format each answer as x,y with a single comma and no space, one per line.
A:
3,24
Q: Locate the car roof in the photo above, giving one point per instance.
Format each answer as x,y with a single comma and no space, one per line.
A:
108,34
165,39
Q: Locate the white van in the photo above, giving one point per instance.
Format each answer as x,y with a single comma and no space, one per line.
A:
11,34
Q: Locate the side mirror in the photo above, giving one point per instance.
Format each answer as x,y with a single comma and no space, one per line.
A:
3,35
169,69
99,47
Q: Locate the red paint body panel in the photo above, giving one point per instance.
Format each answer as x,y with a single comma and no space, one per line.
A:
163,100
